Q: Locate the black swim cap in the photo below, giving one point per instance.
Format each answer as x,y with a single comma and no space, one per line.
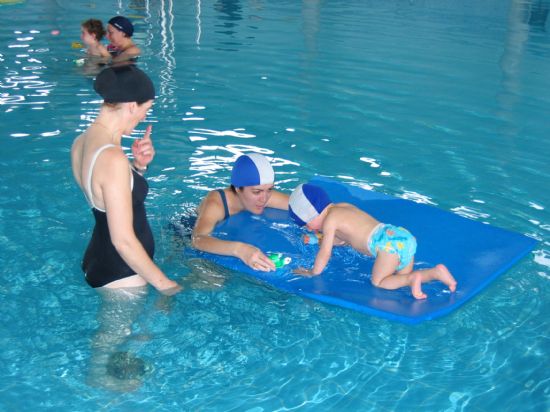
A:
122,24
122,84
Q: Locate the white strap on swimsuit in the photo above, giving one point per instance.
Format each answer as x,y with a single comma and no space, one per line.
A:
88,189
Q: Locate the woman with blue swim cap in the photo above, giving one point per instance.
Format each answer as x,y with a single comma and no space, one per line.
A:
251,189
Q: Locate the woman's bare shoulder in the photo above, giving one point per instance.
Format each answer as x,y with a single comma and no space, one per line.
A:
211,201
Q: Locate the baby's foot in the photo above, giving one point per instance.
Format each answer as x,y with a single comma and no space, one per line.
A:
416,286
443,275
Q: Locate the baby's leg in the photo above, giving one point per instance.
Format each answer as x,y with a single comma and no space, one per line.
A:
441,273
383,272
438,272
384,269
415,280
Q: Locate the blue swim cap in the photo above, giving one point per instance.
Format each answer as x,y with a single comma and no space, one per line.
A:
122,24
252,170
306,203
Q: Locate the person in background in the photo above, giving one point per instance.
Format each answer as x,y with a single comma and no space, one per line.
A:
251,189
121,46
91,34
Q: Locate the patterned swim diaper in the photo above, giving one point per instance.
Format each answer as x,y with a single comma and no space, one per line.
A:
393,239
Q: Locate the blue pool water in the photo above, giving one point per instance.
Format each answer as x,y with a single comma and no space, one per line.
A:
443,102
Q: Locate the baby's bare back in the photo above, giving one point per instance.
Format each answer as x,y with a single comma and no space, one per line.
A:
353,226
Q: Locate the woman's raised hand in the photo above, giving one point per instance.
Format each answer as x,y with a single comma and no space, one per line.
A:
143,149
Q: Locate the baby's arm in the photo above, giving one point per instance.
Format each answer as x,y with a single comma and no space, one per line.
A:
323,256
339,242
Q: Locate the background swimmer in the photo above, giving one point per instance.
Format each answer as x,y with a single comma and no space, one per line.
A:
119,34
91,33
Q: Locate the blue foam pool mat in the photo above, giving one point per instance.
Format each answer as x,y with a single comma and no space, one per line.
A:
475,253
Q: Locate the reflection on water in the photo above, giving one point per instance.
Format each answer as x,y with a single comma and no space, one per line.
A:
167,56
229,14
537,12
22,83
218,161
310,16
230,11
206,132
24,88
213,159
523,17
198,20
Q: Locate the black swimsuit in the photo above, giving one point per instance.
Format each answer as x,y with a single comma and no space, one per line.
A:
224,201
114,52
102,264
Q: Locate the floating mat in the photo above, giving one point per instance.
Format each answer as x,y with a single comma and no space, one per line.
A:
474,252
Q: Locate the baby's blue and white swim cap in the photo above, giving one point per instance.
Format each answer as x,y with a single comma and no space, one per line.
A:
306,203
252,170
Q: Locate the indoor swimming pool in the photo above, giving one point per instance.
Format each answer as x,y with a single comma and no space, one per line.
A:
442,102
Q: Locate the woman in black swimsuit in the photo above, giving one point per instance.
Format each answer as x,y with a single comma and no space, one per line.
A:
121,250
118,260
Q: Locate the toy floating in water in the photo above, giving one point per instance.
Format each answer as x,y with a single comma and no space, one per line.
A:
312,238
76,45
279,260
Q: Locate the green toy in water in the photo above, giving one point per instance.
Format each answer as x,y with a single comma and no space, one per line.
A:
279,260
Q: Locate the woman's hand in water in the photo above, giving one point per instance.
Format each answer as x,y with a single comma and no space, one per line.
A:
171,288
253,257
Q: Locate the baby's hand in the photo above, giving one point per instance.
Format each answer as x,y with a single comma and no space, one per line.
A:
303,272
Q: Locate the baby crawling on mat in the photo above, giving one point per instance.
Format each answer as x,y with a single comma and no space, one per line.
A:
342,223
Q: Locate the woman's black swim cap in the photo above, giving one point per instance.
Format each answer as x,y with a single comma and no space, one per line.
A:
122,84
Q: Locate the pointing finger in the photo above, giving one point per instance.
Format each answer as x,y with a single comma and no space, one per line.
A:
148,130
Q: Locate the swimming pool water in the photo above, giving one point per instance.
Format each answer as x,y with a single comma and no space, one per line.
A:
442,102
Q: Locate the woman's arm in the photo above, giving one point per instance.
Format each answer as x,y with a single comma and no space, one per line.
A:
114,178
103,52
76,158
211,212
127,54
